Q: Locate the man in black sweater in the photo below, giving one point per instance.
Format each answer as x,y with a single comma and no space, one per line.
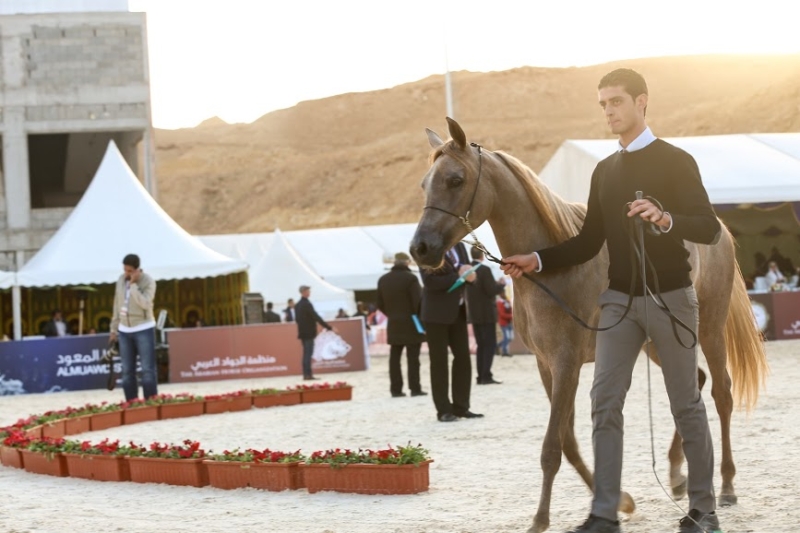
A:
307,320
670,175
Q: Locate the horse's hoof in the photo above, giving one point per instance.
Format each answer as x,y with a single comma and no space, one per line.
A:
539,526
536,529
626,503
679,490
726,500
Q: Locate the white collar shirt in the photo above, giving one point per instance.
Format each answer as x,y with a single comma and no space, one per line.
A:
642,141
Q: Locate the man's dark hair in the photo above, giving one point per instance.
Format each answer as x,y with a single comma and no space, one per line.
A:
269,306
131,260
55,312
476,253
628,79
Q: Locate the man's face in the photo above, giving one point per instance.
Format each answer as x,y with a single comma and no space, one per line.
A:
622,112
290,303
129,270
57,317
306,293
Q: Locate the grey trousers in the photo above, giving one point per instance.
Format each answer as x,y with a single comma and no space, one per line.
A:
616,354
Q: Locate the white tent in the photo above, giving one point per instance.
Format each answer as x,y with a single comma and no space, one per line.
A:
281,272
345,257
7,279
352,258
115,217
735,169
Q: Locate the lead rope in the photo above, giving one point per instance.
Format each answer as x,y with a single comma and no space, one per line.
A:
640,234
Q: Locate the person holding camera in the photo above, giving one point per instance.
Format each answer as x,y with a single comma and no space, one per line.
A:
133,326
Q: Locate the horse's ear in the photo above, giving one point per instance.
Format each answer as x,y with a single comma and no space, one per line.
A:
434,139
457,133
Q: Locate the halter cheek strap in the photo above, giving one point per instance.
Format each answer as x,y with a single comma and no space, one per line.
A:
465,219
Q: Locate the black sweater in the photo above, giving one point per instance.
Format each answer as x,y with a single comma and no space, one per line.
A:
664,172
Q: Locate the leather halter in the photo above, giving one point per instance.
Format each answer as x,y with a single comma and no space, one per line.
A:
465,219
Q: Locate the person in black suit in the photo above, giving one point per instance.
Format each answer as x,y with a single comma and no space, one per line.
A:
399,297
55,327
270,316
445,317
307,320
290,312
482,313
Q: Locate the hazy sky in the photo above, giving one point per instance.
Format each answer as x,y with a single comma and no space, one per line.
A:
239,59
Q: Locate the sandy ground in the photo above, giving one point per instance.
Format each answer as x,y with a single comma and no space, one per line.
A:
485,478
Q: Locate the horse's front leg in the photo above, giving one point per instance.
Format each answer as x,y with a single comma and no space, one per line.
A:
561,385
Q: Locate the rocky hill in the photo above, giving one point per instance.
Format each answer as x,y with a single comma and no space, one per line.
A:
356,159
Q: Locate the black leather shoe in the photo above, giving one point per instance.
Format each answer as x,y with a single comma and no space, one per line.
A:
447,417
418,393
469,414
398,395
491,381
595,524
310,378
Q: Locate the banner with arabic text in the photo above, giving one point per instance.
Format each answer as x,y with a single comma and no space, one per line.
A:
53,364
262,350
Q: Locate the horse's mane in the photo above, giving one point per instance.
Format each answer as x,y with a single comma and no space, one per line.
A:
560,219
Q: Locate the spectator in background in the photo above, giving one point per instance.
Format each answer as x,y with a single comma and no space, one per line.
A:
399,297
307,320
288,313
444,315
270,316
134,325
361,310
505,318
55,327
482,313
774,275
342,314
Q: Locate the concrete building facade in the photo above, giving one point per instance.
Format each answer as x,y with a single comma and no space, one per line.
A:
69,83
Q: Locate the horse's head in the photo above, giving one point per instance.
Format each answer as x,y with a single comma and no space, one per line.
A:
453,189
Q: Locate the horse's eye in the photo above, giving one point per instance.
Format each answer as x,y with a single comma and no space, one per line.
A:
455,181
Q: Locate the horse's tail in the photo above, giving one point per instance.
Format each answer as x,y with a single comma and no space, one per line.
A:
747,358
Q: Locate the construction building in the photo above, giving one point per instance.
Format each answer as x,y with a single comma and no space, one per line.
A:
73,75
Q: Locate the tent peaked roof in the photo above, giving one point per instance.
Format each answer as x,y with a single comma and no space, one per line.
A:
281,272
115,217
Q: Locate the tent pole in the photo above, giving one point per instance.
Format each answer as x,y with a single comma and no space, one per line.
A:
16,302
16,298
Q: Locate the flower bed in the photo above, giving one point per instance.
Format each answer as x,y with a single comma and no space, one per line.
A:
401,470
44,457
325,392
138,411
231,401
265,469
272,397
170,464
180,405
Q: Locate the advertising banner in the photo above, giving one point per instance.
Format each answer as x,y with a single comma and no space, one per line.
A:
53,364
262,350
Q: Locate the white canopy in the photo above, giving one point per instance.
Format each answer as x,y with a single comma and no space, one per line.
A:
735,169
345,257
6,279
352,258
280,273
115,217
